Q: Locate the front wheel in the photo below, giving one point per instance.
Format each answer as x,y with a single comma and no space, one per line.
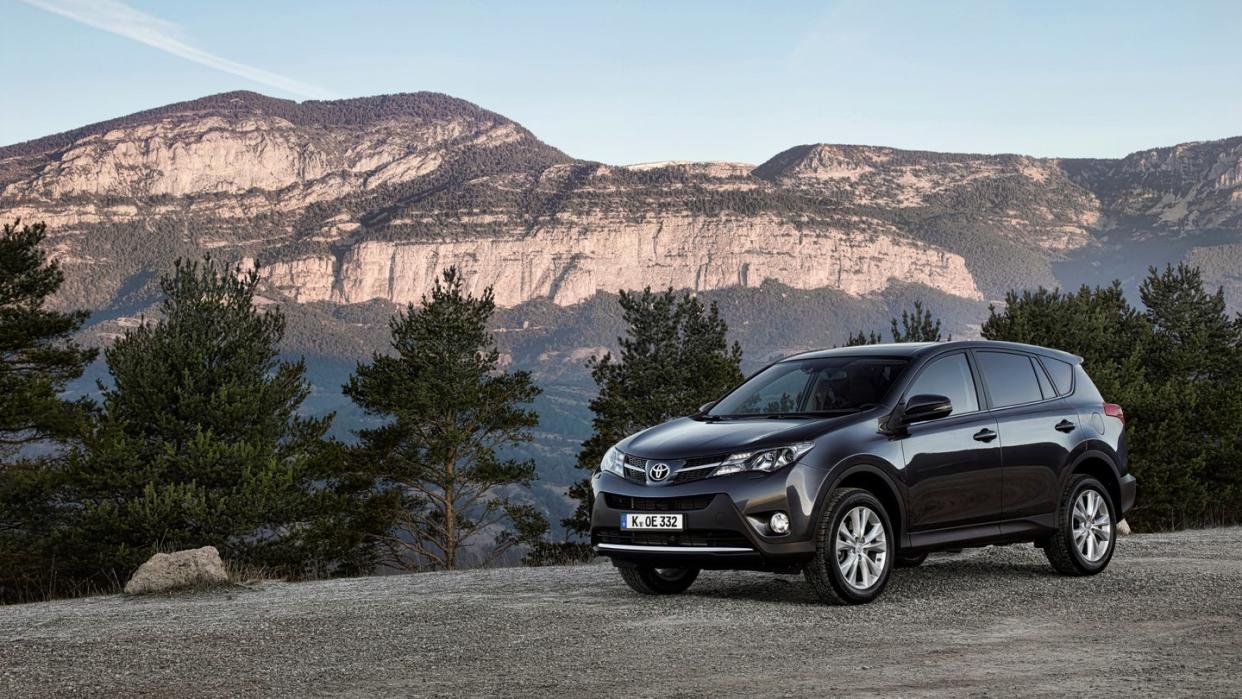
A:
1086,531
854,547
650,580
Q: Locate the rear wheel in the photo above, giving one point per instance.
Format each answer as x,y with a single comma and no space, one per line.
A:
854,546
1086,529
650,580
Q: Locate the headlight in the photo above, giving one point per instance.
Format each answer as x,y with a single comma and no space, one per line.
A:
766,460
614,462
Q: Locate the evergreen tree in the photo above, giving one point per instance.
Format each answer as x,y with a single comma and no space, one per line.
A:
450,411
37,354
37,359
916,326
676,356
200,441
860,338
1191,441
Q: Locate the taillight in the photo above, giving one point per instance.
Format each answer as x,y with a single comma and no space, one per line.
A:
1114,410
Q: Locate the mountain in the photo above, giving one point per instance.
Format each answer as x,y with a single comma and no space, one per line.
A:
351,208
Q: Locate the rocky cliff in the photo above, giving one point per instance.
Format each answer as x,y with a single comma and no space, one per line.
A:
353,201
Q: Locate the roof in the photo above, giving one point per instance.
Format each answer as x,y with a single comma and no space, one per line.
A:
916,349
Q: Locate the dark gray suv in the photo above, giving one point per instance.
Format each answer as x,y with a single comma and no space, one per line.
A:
844,463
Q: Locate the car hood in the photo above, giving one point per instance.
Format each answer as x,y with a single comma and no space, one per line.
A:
686,437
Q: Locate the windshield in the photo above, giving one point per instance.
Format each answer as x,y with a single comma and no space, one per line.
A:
820,386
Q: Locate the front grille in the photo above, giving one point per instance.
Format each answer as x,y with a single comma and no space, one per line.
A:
690,539
636,469
631,504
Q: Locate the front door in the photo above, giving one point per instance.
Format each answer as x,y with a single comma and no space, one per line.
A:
952,464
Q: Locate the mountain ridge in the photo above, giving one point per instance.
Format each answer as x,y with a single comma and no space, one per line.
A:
356,200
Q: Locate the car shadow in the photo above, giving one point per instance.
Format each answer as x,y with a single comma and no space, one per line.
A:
952,571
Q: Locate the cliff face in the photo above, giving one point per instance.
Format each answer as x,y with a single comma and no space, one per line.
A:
1192,186
574,259
357,200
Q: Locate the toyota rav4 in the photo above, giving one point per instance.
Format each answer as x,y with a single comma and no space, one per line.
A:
846,463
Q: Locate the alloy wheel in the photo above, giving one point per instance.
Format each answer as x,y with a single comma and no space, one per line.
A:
861,548
1093,526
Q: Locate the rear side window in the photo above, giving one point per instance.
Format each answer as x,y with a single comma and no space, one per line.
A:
949,377
1062,374
1010,378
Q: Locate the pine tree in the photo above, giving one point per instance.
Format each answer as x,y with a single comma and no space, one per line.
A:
37,353
1192,437
916,326
450,412
37,359
676,356
861,338
200,441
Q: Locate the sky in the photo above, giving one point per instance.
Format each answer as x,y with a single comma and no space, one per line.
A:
636,81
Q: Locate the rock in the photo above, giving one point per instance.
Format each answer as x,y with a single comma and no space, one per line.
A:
569,262
181,569
1123,528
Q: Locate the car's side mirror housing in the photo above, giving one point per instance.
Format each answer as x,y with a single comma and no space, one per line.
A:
707,406
924,407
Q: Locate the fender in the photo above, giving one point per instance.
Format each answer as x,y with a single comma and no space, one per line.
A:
1091,453
863,463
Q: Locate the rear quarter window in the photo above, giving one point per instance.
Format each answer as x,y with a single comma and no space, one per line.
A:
1084,387
1062,374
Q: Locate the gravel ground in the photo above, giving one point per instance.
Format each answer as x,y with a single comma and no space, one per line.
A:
1163,619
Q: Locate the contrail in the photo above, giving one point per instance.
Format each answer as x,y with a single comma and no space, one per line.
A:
121,19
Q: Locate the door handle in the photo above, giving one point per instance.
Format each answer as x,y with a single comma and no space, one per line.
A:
1065,426
985,435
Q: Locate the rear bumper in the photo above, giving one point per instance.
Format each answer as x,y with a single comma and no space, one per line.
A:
1129,492
717,534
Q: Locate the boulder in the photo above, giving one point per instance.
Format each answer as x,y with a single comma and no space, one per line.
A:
181,569
1123,528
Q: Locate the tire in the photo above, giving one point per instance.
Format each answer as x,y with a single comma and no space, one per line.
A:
1068,550
650,580
824,571
909,560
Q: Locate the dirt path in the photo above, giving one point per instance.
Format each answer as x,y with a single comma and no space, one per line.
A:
1164,619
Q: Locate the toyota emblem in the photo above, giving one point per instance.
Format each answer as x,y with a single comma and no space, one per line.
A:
658,472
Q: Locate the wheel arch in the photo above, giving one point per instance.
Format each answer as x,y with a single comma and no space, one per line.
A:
875,480
1098,465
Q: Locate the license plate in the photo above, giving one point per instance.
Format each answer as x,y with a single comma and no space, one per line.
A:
657,522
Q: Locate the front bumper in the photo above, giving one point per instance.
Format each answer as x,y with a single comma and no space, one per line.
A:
723,520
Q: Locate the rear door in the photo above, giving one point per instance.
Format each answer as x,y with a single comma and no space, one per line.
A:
952,463
1037,432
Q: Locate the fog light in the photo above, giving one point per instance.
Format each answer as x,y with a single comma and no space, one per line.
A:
779,523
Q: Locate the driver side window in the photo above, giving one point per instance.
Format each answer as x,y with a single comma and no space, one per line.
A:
949,377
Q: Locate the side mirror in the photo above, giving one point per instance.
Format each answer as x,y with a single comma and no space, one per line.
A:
707,406
925,406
